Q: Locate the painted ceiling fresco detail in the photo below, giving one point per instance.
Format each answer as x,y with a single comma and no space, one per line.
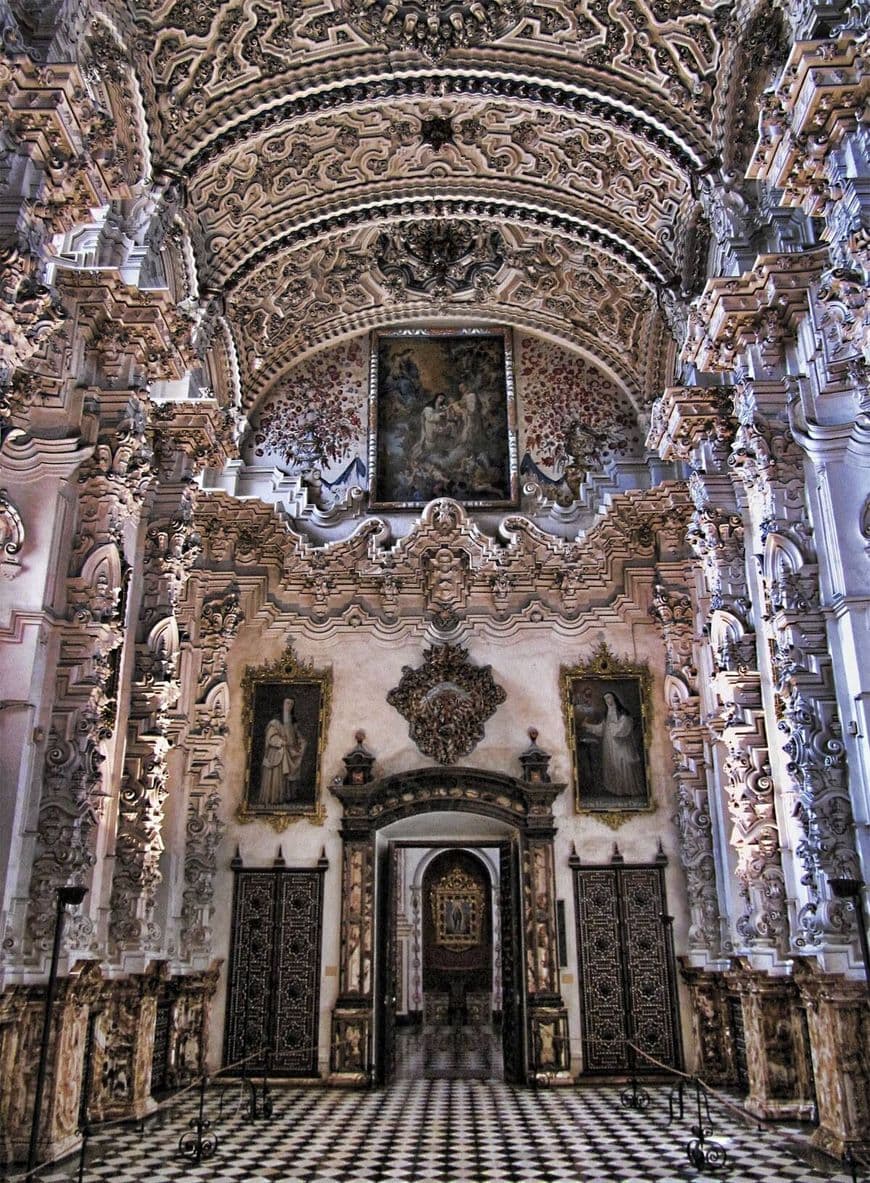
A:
574,418
315,418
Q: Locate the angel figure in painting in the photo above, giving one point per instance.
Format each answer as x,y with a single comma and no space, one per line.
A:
621,758
283,751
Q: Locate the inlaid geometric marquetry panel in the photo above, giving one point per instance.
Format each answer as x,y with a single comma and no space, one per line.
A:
627,986
297,964
601,972
274,986
648,961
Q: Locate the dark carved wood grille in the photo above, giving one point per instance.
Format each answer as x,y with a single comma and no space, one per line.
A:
627,983
274,985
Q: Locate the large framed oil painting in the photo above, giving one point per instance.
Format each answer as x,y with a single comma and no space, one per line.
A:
443,412
606,705
285,718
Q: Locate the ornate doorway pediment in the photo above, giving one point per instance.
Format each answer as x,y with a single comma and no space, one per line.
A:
520,803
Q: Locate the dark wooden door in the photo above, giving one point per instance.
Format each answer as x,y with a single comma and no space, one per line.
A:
274,982
626,968
512,976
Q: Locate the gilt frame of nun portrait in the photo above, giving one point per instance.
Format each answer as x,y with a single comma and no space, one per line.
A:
606,703
285,716
443,419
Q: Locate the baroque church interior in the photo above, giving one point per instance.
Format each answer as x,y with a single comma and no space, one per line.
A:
434,529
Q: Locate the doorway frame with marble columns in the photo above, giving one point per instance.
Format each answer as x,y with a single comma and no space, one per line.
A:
525,808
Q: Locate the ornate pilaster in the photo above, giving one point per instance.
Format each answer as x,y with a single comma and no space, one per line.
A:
351,1055
697,425
212,625
111,486
171,545
770,465
737,719
672,608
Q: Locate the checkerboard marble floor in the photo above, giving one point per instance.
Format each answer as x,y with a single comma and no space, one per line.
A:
440,1131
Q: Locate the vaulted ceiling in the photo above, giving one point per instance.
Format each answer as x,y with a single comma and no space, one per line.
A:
347,163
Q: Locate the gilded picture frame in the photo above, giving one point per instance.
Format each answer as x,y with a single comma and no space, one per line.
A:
606,705
443,418
285,716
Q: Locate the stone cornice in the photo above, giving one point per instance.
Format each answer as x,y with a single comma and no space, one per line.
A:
760,308
821,99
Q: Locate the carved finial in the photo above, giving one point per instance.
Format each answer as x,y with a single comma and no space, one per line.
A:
535,761
323,861
661,857
616,857
236,860
279,858
359,736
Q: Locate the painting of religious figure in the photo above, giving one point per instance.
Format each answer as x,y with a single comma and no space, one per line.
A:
605,703
443,412
285,717
457,906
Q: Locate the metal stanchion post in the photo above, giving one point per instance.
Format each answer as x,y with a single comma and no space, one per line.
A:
65,895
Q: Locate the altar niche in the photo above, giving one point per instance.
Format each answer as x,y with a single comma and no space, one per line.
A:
513,818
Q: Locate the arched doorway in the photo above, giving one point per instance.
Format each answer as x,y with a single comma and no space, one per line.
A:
447,959
457,922
459,806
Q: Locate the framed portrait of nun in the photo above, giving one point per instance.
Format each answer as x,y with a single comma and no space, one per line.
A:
605,703
285,714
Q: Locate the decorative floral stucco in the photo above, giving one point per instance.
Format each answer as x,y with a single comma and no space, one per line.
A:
572,416
568,406
316,417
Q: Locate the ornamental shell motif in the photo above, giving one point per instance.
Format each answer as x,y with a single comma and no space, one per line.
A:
446,701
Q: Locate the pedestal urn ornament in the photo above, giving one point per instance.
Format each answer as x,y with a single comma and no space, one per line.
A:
446,701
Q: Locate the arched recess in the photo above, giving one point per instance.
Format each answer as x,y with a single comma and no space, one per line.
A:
535,1022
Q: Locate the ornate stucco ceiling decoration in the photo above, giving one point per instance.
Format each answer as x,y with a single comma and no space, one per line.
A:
208,62
602,176
433,28
332,287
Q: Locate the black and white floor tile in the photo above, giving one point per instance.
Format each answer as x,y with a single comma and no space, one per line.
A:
428,1129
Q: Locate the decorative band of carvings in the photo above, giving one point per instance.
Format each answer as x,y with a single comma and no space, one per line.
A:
359,92
448,207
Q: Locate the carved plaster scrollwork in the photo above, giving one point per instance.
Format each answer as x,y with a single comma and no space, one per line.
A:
446,701
770,463
111,486
30,312
440,258
11,537
691,422
672,608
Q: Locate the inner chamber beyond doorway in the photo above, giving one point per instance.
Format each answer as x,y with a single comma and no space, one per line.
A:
447,962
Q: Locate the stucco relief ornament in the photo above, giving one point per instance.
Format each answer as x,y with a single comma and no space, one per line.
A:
446,701
11,537
431,27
